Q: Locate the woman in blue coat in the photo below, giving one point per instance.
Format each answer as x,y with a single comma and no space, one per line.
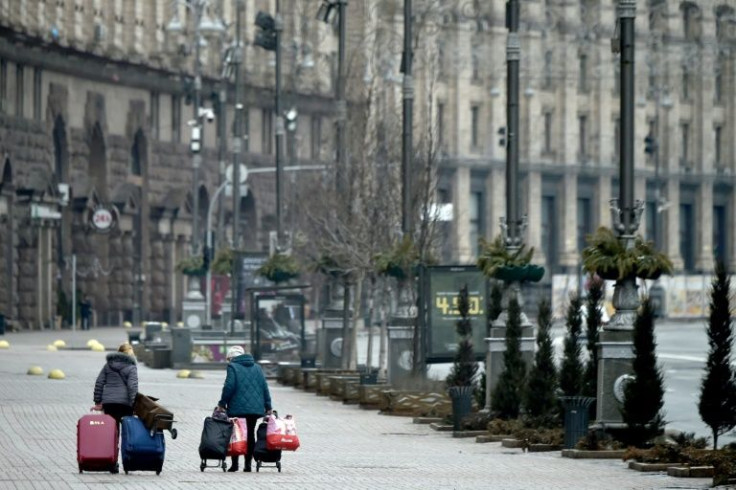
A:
245,395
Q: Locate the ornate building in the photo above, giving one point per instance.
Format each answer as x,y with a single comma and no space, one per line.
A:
95,106
569,110
95,101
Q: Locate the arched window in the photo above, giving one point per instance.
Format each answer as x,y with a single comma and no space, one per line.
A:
691,17
97,165
60,149
137,154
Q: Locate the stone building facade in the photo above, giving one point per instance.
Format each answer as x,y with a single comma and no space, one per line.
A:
94,94
95,100
569,113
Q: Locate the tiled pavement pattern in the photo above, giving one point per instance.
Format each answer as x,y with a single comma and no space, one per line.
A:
342,446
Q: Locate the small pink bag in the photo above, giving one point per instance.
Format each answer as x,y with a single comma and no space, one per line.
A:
239,440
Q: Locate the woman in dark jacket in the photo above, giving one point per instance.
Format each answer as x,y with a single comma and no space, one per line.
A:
245,395
117,384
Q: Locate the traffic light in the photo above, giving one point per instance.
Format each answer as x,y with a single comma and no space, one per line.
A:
266,37
502,134
650,145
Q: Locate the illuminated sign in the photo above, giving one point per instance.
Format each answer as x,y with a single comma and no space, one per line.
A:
440,291
103,218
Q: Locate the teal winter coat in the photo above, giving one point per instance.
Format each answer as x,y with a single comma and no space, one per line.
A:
245,391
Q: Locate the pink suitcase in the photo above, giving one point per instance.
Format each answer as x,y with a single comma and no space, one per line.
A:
97,443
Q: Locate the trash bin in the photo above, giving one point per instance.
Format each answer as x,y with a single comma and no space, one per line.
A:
369,377
576,418
657,300
2,324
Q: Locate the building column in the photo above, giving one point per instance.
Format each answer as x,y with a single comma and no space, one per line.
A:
672,223
496,201
704,211
569,256
603,217
461,191
534,215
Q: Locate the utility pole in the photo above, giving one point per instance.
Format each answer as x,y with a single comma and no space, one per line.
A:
513,55
196,136
237,148
341,106
279,26
407,91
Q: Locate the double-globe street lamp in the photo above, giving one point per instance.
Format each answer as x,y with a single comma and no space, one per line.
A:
203,26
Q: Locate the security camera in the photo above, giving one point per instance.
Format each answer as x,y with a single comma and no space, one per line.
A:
207,114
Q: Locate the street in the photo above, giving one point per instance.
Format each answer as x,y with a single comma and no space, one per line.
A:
342,445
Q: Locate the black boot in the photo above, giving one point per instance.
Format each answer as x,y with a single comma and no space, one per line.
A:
233,464
248,467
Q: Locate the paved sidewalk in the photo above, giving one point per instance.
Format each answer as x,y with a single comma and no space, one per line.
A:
342,446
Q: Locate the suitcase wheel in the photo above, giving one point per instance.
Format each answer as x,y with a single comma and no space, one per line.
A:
224,465
278,465
126,472
174,433
202,466
258,466
115,470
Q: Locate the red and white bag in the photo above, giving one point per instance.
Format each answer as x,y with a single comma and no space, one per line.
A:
281,434
239,440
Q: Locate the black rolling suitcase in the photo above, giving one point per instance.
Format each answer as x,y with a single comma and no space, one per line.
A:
216,435
262,454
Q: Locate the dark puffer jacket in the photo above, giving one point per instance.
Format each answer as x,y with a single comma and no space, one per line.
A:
118,380
245,391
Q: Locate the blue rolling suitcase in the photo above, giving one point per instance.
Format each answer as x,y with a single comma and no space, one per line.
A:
140,450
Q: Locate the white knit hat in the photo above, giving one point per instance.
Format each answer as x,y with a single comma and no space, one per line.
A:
235,351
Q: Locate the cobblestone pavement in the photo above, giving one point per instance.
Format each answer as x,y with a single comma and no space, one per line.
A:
342,446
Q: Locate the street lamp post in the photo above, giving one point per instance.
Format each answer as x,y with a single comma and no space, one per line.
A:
513,225
615,348
203,26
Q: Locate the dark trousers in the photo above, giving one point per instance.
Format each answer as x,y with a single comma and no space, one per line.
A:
250,422
117,411
85,322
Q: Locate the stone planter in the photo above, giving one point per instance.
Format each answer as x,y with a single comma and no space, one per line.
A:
650,467
512,443
338,386
415,404
543,448
289,373
690,471
371,396
351,394
593,454
491,437
324,383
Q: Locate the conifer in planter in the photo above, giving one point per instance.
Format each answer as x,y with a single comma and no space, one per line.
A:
608,257
279,268
717,405
540,399
461,380
508,265
571,371
192,266
506,397
644,394
593,304
400,261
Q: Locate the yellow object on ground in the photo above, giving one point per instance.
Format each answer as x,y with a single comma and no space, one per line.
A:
35,370
92,342
127,325
4,344
196,375
184,373
97,347
51,347
59,344
56,374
